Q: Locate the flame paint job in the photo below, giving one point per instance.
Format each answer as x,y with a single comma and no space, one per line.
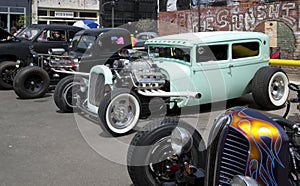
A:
265,142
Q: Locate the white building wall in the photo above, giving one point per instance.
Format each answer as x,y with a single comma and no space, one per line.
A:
67,6
70,4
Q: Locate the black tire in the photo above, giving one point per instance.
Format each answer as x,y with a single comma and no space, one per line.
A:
121,119
270,88
153,107
153,142
7,70
64,92
31,82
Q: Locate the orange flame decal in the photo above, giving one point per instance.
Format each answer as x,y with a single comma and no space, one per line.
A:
265,143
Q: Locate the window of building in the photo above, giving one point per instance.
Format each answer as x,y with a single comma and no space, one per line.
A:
3,9
42,12
87,14
17,10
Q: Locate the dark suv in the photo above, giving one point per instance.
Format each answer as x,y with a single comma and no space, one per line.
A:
37,38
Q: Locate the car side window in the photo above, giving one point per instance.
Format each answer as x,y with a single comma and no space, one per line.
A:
52,35
71,34
206,53
171,52
43,36
181,53
246,49
57,35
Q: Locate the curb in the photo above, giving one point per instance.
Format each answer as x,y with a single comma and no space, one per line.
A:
294,78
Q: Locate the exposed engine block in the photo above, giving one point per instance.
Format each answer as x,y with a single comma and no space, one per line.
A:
143,73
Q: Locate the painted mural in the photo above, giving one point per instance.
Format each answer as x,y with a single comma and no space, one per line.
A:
280,20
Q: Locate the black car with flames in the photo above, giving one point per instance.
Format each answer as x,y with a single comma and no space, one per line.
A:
244,147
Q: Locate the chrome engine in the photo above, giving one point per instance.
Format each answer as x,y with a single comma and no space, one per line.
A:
140,73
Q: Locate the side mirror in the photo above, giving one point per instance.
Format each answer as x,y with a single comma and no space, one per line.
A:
56,51
239,180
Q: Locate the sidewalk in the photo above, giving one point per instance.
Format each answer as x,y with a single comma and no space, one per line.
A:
294,78
293,74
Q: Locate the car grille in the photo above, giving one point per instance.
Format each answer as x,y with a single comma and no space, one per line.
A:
234,158
96,87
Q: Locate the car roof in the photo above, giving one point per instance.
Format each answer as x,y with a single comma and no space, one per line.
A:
55,26
97,31
147,33
190,39
4,34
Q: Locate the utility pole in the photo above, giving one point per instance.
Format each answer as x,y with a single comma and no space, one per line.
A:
191,15
112,3
29,16
199,16
100,13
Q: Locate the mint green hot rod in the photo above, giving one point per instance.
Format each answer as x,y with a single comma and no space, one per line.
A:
178,71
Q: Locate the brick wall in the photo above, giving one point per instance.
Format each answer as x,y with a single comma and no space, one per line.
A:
249,15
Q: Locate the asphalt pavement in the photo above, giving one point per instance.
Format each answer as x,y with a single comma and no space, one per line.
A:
41,146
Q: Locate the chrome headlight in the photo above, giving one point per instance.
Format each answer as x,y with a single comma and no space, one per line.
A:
19,63
239,180
83,84
76,60
181,140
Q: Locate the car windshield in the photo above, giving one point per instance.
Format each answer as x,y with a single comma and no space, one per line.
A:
170,52
28,33
82,43
138,54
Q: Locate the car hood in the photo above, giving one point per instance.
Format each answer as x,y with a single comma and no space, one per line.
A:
4,34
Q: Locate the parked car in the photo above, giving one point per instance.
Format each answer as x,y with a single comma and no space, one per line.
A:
244,148
182,70
36,38
104,51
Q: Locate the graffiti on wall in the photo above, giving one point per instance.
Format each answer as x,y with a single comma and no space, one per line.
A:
238,18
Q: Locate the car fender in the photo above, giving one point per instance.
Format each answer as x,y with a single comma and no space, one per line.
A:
179,76
108,76
102,69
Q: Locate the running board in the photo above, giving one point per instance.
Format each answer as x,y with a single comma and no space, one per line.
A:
161,93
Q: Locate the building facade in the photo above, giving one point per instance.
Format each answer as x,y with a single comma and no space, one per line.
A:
14,14
107,13
278,19
64,11
125,11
